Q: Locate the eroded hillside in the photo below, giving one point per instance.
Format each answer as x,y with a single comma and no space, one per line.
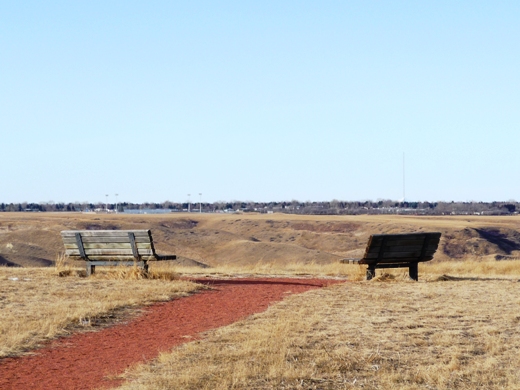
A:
33,239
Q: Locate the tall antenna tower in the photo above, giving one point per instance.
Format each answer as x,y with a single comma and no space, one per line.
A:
404,192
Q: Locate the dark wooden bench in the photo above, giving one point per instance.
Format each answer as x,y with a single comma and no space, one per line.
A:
398,251
111,247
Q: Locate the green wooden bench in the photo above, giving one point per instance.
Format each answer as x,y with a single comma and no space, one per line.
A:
111,247
398,251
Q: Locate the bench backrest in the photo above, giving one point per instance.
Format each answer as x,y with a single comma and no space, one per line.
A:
109,244
401,248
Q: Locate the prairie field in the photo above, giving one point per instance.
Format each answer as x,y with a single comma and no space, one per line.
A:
458,327
37,305
384,334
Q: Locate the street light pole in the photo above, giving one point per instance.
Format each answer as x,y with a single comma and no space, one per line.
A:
116,203
200,202
189,203
106,203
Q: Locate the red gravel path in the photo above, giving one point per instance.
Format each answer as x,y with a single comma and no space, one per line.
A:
83,360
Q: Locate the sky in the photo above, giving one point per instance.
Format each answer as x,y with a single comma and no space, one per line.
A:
259,100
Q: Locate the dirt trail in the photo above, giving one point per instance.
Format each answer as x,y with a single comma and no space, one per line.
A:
90,360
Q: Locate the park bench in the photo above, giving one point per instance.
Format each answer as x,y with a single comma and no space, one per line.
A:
111,247
398,251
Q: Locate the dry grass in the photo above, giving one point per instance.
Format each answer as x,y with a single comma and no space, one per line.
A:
456,328
428,270
272,269
64,268
37,305
473,268
370,335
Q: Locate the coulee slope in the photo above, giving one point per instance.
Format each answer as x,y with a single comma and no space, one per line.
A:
33,239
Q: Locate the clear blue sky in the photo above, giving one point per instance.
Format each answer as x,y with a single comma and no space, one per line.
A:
259,100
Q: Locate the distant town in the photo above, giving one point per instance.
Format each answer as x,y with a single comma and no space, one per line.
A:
334,207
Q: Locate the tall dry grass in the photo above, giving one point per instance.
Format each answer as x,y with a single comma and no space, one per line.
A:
474,268
456,328
428,270
369,335
37,304
268,270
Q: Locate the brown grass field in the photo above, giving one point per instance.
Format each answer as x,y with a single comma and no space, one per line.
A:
457,328
382,334
37,305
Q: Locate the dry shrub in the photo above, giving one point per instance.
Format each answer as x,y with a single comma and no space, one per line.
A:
137,273
117,272
123,273
62,266
444,278
163,275
384,277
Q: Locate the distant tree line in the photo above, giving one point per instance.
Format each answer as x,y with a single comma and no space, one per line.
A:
334,207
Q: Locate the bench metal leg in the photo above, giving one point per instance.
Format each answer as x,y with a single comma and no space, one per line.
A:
90,268
414,271
371,272
141,264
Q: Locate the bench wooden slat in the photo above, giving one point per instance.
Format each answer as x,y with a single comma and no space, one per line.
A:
109,252
392,243
118,263
117,259
403,240
106,233
113,245
399,255
405,236
394,260
397,249
72,240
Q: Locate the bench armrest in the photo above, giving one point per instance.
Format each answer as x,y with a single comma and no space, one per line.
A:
166,257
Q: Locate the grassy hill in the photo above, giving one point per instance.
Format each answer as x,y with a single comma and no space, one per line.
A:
33,239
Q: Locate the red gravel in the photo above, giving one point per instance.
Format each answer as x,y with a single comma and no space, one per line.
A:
84,360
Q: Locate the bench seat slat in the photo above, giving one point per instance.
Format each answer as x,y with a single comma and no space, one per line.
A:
114,245
394,260
398,255
72,240
115,259
397,249
116,263
105,233
393,243
405,236
109,252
